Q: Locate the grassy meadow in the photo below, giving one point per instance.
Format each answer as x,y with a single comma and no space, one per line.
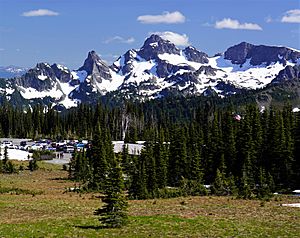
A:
37,204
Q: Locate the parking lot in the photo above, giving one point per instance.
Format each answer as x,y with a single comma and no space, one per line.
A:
19,149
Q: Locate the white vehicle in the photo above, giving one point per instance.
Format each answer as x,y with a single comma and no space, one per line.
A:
11,146
25,147
6,144
36,147
69,149
85,142
61,143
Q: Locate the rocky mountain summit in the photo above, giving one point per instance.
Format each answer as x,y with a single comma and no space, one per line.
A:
260,54
155,70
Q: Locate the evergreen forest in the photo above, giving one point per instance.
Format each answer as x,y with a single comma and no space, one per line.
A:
192,146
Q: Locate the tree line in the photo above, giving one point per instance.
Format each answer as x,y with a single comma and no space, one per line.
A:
189,143
251,154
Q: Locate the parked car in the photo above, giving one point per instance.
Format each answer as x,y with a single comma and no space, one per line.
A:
69,149
6,144
50,148
26,147
80,146
11,146
36,147
23,143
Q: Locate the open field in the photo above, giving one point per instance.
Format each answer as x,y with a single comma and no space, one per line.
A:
40,207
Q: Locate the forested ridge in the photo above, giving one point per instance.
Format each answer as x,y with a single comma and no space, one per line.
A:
189,143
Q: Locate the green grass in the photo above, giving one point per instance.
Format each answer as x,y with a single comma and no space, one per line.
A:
55,213
18,191
155,226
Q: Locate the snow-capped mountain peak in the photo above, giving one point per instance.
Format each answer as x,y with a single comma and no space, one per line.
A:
157,69
155,45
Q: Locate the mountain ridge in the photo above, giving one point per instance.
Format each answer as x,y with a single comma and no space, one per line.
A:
158,68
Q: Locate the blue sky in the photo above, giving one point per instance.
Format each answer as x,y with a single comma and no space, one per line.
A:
63,31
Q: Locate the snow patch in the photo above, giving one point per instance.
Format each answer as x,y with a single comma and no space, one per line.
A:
179,60
262,109
30,93
291,205
140,71
80,75
62,68
14,154
42,77
110,85
153,45
9,90
68,102
247,75
119,62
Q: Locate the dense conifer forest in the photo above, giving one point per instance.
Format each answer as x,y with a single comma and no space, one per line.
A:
190,143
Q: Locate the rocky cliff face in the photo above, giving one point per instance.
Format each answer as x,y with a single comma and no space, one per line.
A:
289,73
41,78
192,54
155,45
260,54
96,68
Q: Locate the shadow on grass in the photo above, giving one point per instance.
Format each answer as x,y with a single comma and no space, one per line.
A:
60,179
86,227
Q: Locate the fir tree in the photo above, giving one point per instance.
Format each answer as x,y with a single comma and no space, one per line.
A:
161,158
98,158
150,168
32,166
138,187
5,156
114,213
245,186
196,172
178,166
7,165
220,185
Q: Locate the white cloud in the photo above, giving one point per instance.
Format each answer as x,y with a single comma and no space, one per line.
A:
175,38
119,39
39,13
229,23
165,17
291,16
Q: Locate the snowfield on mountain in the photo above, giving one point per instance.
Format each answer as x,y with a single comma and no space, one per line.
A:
153,71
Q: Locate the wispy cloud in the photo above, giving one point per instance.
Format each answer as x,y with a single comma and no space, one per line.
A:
269,19
120,40
39,13
175,38
165,17
291,16
228,23
207,24
109,58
